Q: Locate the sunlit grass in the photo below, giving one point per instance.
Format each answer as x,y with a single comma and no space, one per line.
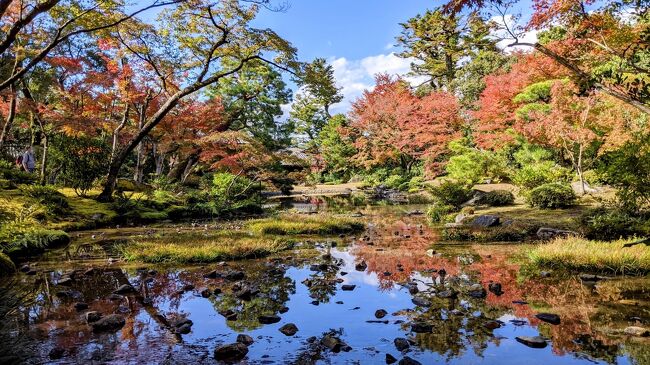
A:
197,248
578,254
299,224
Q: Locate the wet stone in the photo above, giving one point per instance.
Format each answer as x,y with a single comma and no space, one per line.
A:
390,359
235,275
289,329
80,306
479,293
245,339
268,319
492,325
184,329
409,361
112,322
229,315
283,310
449,294
420,327
93,316
495,288
532,341
124,289
421,302
362,266
348,287
56,353
548,317
380,313
205,293
401,344
214,274
231,352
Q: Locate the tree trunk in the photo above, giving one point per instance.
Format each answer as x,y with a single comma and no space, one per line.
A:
10,117
579,171
45,142
116,131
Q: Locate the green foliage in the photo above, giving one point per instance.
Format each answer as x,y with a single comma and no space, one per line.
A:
24,237
11,173
54,202
6,265
231,193
451,193
335,149
395,182
536,168
551,196
540,91
437,212
80,161
628,170
415,184
473,165
611,222
297,225
497,198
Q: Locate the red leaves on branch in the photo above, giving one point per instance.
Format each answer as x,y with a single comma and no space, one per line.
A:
391,124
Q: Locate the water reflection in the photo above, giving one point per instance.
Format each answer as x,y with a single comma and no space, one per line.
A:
180,315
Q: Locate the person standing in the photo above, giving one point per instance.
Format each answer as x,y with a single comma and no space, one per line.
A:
29,162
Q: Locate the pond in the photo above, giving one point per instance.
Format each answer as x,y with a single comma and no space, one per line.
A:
393,289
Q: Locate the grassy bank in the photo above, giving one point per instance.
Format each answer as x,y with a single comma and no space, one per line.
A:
255,238
578,254
300,224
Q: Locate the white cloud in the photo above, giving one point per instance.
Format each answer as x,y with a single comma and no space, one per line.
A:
355,76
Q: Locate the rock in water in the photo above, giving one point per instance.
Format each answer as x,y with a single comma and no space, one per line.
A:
637,331
111,322
401,344
348,287
269,319
231,352
235,275
421,302
93,316
495,288
80,306
548,317
380,313
124,289
408,361
361,266
534,341
390,359
245,339
486,220
289,329
420,327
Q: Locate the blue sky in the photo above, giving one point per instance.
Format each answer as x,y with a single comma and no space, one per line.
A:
355,36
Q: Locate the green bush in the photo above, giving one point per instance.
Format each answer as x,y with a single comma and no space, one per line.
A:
231,193
17,176
551,196
24,239
394,181
474,165
6,265
497,198
438,212
415,184
55,202
451,193
540,173
80,161
612,223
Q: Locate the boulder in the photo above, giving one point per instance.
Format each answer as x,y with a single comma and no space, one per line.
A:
112,322
420,327
80,306
380,313
486,220
362,266
289,329
231,352
546,233
245,339
334,343
348,287
93,316
235,275
125,289
495,288
390,359
401,344
408,361
548,317
532,341
421,302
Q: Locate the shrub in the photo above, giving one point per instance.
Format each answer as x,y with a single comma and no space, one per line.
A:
394,181
415,184
50,198
551,196
81,161
6,265
437,212
232,193
451,193
612,223
23,238
497,198
474,165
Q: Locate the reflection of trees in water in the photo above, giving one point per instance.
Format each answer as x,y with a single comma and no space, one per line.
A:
275,289
16,347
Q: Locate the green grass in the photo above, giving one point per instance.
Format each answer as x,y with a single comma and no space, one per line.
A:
300,224
579,254
197,248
